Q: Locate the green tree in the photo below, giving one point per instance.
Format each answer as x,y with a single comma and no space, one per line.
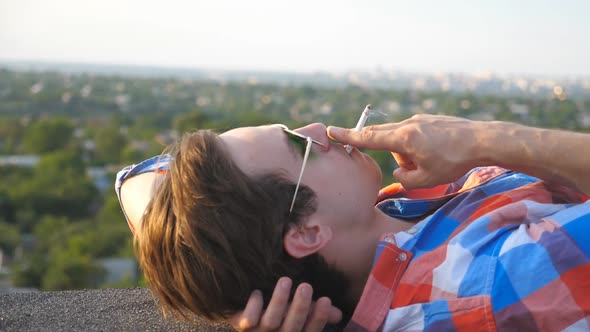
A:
7,208
9,238
61,258
48,232
130,155
110,235
110,142
68,269
11,135
30,272
48,135
254,119
59,186
189,121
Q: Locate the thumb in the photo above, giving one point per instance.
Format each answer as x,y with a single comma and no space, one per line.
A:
409,178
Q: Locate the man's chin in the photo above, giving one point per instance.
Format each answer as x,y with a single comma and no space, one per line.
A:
374,167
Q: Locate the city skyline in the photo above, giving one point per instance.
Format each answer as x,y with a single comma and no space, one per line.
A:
538,38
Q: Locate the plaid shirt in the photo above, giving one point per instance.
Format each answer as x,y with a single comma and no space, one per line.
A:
498,250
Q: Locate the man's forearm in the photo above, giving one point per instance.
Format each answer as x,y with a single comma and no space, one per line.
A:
552,155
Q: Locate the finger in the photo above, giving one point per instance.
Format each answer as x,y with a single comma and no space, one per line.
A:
273,316
320,315
409,179
299,309
404,161
370,137
250,317
236,319
334,315
379,127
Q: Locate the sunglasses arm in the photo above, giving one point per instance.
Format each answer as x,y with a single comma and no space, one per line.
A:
307,150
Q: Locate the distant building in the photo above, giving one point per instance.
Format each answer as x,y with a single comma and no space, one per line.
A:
166,138
521,110
140,145
100,178
584,119
119,268
481,116
19,160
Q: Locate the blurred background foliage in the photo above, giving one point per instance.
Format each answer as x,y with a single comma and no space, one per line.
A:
64,136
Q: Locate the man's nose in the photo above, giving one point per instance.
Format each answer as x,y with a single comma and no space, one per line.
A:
318,132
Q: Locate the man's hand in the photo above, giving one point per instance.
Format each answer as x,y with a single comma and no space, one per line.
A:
280,315
430,149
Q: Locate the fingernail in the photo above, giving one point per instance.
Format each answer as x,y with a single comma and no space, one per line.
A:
305,289
286,283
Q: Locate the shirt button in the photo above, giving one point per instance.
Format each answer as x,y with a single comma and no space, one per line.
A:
402,257
389,240
412,231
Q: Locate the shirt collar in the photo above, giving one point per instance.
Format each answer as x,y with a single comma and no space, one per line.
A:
388,268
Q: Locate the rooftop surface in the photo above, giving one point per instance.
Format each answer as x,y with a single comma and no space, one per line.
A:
91,310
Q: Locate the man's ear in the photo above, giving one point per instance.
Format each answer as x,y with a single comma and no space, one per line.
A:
303,240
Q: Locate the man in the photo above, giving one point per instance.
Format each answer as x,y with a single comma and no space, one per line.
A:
460,267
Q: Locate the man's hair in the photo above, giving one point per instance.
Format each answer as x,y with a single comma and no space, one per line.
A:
212,234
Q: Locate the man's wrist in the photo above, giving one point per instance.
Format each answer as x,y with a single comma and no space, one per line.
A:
510,145
494,145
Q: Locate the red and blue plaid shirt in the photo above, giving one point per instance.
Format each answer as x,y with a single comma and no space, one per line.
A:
498,250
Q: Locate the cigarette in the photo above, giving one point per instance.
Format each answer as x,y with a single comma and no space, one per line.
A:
360,124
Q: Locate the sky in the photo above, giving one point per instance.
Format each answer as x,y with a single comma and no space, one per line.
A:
509,37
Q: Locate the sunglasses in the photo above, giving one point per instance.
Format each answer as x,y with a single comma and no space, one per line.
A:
307,142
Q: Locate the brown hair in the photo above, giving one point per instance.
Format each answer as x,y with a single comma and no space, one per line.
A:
212,234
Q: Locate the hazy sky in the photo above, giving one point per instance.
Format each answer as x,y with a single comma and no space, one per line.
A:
504,36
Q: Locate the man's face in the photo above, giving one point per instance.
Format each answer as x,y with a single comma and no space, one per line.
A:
346,185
